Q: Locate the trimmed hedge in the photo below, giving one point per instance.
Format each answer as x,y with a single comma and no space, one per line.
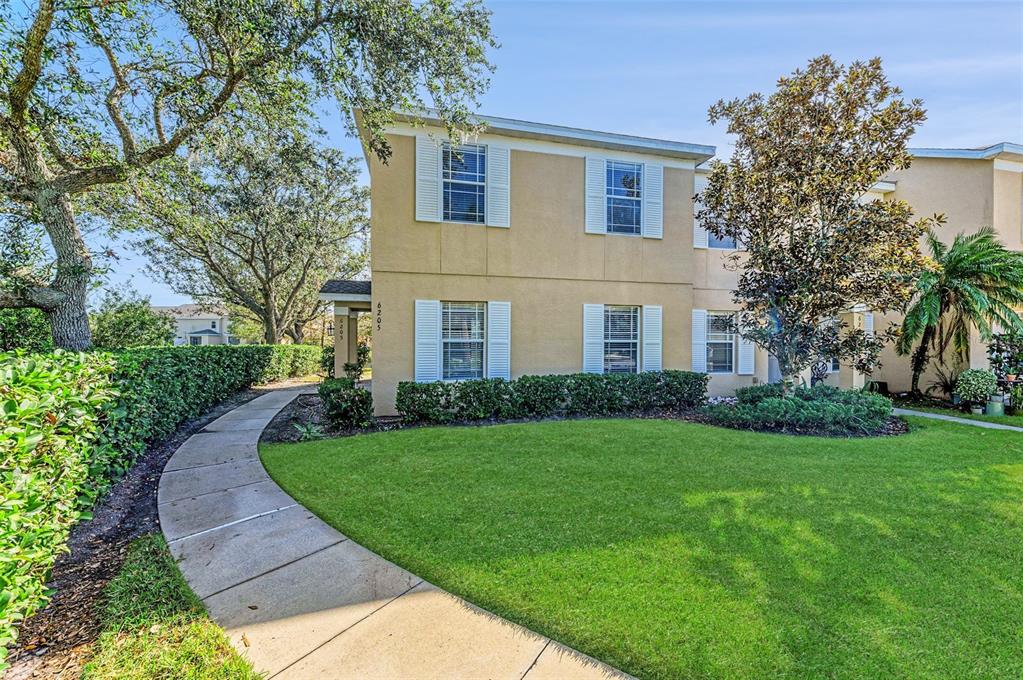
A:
72,423
545,396
822,409
346,406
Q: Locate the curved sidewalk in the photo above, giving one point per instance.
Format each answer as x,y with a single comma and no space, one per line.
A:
300,600
953,419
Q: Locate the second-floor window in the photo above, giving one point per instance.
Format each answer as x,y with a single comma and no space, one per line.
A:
621,339
720,342
465,183
721,242
624,197
462,339
213,325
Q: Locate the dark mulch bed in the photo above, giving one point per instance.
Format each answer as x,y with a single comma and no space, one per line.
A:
54,643
307,410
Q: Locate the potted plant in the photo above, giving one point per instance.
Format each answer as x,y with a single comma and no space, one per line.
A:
975,386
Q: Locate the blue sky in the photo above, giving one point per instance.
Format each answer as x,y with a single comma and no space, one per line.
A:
653,69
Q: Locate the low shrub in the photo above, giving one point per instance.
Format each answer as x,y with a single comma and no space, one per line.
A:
72,423
346,406
822,409
975,385
755,394
533,396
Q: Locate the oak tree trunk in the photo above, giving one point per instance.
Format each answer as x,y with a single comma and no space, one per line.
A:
69,320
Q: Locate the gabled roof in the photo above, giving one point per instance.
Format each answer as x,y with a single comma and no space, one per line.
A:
205,331
347,287
191,311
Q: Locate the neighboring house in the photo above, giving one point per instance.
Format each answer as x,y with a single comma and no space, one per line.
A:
199,325
545,249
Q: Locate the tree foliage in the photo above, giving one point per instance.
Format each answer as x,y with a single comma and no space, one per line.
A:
25,329
976,283
795,195
123,319
257,219
93,93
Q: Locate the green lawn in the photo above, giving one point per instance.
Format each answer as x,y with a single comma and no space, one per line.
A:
671,549
155,628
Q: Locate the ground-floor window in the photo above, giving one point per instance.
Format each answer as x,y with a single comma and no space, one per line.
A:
195,341
621,339
463,336
720,342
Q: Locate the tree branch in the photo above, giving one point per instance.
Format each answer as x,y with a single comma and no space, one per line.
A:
31,62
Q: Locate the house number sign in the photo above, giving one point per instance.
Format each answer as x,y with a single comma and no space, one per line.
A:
379,315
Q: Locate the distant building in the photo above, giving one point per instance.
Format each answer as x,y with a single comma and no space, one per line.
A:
199,325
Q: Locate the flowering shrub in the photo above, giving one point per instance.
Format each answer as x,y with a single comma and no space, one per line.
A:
975,385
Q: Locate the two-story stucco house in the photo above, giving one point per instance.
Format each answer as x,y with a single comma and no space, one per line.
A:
545,249
198,325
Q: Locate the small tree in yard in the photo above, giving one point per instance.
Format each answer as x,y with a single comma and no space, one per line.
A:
793,194
127,320
92,93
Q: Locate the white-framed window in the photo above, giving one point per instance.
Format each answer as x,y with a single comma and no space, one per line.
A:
464,173
720,242
621,339
720,342
463,340
624,197
195,340
834,366
213,325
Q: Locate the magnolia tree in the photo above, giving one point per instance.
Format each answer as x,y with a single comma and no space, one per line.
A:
794,194
91,93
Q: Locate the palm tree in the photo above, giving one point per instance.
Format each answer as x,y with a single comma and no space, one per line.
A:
977,282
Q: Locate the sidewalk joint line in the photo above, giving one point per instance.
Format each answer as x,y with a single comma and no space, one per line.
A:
272,570
207,493
206,465
346,629
532,665
231,524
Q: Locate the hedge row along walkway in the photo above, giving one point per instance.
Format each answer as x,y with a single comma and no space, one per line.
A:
300,600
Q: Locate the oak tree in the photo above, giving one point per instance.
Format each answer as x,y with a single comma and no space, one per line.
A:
91,93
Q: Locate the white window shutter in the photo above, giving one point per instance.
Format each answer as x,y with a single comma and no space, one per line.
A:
699,232
499,340
429,202
593,338
652,338
868,322
498,186
653,201
596,195
747,357
700,340
427,335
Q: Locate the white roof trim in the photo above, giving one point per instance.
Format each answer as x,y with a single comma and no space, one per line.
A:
568,135
970,154
344,297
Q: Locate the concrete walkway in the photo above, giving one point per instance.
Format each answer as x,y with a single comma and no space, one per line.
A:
300,600
954,419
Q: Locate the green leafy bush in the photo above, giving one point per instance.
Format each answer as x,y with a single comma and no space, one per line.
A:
53,408
72,423
975,385
822,409
532,396
755,394
346,406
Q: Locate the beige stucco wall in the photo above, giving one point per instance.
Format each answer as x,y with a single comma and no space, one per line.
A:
548,267
546,320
